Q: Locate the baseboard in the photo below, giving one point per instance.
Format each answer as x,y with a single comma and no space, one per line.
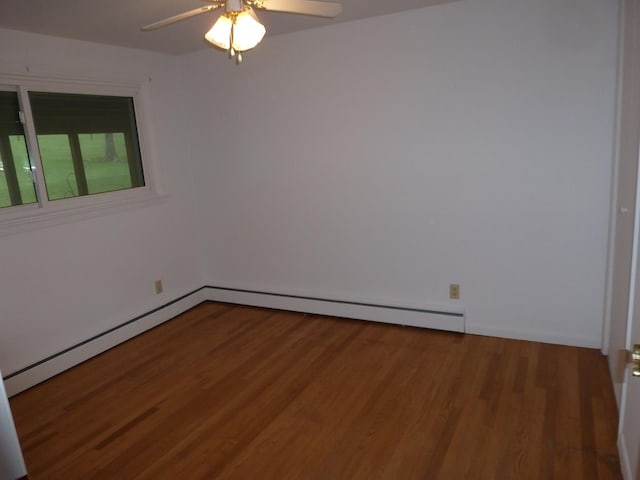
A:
55,364
439,317
452,319
533,336
625,465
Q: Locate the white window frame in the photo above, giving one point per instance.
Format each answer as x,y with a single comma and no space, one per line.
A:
46,212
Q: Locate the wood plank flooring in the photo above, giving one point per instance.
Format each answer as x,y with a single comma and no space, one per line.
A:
232,392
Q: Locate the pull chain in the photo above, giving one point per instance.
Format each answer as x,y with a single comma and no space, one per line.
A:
232,51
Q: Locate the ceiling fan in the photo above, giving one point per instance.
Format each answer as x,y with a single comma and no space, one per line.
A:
238,28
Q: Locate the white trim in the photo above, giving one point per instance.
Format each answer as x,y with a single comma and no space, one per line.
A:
613,199
12,464
143,106
621,416
632,285
48,74
634,258
37,218
60,363
453,321
625,465
533,335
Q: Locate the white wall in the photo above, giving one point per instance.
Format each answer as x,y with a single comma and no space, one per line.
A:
372,161
62,284
383,159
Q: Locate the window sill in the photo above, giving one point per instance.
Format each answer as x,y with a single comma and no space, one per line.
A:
32,218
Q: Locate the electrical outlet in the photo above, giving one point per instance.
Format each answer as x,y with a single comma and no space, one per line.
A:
159,288
454,291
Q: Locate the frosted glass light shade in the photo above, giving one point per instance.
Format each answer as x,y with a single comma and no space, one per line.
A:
247,31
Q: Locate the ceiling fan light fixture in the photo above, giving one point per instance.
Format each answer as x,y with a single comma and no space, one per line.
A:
238,30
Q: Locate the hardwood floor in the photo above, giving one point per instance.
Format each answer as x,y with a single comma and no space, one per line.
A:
235,392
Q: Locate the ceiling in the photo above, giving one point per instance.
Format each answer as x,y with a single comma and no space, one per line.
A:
118,22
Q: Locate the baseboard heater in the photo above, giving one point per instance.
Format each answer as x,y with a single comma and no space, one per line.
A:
450,319
52,365
438,318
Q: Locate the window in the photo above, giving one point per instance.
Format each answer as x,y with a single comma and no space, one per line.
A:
16,181
88,143
67,147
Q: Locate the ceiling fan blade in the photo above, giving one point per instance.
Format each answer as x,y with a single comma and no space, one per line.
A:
302,7
182,16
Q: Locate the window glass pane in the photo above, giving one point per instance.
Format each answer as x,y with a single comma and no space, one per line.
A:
16,181
88,143
105,161
59,173
23,168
